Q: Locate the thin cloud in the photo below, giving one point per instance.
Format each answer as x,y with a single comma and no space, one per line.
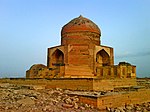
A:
138,54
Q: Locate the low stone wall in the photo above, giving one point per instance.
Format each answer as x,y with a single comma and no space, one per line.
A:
88,100
73,84
144,82
110,84
124,98
64,83
76,83
117,100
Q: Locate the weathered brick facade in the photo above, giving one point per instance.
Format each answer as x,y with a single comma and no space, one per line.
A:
81,55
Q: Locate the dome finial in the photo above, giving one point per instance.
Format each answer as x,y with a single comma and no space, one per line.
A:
80,16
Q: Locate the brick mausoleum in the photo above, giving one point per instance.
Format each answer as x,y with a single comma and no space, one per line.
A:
81,55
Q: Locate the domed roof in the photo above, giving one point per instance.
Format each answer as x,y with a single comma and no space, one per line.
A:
37,66
80,24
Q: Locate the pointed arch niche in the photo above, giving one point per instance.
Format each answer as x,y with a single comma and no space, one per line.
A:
102,58
57,57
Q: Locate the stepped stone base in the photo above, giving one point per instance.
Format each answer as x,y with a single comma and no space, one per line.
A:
86,84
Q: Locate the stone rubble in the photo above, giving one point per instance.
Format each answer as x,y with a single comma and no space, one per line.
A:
26,98
144,107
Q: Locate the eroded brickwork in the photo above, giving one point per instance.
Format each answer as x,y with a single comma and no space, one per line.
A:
81,55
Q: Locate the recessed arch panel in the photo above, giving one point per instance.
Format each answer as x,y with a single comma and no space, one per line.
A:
57,57
102,58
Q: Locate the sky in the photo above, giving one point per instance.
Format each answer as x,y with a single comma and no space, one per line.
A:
29,27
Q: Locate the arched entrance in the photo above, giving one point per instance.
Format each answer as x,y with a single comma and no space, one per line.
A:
57,62
57,57
102,58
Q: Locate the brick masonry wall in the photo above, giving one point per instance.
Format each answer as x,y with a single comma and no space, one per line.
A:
77,83
124,98
110,84
73,83
88,100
